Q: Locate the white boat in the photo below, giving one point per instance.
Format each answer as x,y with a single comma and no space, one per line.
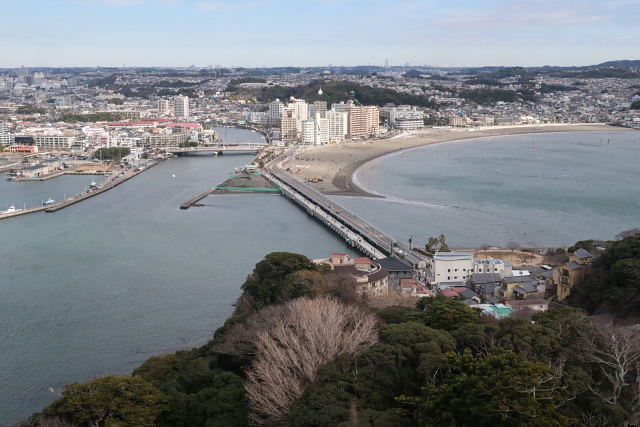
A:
11,209
48,202
93,185
173,175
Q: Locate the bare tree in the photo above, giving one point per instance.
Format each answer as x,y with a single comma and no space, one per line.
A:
593,419
42,421
239,340
312,333
524,313
615,350
485,246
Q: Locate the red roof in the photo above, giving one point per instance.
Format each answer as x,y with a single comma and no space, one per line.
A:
449,293
363,259
186,125
338,254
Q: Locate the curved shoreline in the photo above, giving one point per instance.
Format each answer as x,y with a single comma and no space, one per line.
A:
333,163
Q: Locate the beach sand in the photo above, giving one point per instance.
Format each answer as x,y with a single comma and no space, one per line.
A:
336,164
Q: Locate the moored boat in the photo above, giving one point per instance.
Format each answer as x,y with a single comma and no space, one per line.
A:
48,202
11,209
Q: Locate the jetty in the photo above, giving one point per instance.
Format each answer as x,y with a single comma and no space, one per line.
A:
112,181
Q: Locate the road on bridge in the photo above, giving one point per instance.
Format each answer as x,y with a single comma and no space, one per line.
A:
383,241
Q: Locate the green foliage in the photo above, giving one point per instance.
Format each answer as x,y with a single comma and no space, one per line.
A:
486,82
111,400
198,392
235,83
188,144
582,244
443,313
103,82
599,73
408,354
112,153
491,96
30,109
271,281
496,390
635,105
91,118
336,91
614,282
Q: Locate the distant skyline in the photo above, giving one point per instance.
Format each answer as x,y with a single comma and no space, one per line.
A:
256,33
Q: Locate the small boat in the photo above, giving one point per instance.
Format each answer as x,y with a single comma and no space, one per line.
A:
11,209
48,202
93,185
173,175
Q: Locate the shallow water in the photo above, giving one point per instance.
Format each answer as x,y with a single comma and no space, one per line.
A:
543,190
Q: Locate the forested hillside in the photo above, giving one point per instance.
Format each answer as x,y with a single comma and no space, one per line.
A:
303,350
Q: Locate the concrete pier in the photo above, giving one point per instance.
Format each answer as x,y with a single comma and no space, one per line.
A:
196,199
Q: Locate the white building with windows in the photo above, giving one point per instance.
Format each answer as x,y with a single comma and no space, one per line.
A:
491,265
164,107
57,142
406,118
451,267
275,113
309,131
338,125
181,106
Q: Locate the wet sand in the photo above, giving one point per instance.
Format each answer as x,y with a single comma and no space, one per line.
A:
336,164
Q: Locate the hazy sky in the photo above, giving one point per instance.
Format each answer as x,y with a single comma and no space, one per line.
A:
306,33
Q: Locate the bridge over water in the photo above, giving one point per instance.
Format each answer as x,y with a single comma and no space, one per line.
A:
353,229
247,147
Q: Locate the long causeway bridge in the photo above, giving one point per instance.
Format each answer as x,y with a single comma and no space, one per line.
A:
353,229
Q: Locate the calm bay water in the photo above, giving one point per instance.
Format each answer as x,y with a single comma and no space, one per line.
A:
99,287
543,190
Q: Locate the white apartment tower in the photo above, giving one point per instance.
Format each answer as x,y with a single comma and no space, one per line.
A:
300,108
338,125
164,107
322,135
309,131
181,106
276,112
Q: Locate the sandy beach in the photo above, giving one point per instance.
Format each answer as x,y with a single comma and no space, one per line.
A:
336,164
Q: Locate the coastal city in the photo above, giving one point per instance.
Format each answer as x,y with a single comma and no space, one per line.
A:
318,246
78,121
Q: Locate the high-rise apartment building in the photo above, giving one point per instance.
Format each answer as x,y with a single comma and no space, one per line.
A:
300,108
319,107
338,125
364,122
289,127
276,112
181,106
308,131
164,107
322,130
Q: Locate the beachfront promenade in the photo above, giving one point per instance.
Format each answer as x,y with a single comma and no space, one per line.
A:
353,229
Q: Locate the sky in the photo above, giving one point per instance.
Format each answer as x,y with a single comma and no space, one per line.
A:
256,33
